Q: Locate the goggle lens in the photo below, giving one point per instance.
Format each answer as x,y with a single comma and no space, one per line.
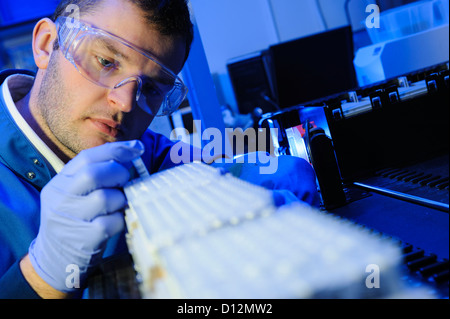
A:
111,62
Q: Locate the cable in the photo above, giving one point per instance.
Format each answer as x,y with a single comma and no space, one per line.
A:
319,8
347,12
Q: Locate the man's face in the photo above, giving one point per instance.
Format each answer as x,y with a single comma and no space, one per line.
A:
80,114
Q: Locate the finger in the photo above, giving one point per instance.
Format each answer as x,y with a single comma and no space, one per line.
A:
311,197
283,197
97,203
109,225
94,176
120,152
103,202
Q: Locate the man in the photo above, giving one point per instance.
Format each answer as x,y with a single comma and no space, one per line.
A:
71,133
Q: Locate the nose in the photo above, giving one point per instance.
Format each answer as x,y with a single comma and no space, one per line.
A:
123,97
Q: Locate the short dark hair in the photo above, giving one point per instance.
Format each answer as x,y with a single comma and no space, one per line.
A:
169,17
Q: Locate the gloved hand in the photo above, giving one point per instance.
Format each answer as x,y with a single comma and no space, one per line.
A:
291,178
80,210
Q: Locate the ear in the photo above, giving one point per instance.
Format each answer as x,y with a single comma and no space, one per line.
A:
44,35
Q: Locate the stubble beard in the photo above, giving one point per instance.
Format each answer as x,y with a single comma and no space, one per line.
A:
52,100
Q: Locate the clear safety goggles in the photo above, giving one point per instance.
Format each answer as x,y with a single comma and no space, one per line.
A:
112,62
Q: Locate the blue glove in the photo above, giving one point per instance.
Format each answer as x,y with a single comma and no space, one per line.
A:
80,210
291,178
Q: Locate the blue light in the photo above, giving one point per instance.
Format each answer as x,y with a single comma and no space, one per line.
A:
12,12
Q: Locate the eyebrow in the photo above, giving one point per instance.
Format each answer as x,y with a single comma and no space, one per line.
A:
111,48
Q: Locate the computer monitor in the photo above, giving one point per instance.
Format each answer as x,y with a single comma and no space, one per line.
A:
312,67
249,79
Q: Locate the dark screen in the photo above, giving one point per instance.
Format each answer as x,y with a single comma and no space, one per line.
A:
313,67
250,84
